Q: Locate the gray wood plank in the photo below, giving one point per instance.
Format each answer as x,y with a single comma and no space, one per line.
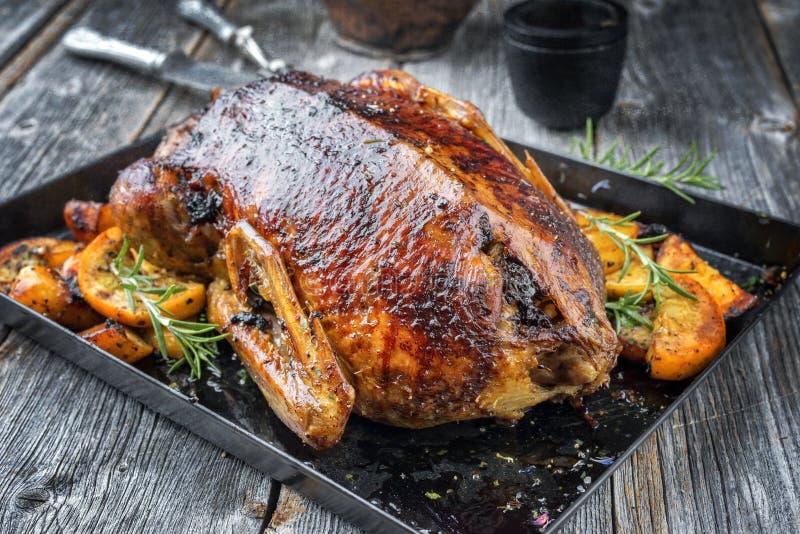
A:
39,44
20,20
78,456
62,463
295,514
782,18
65,111
635,488
707,74
723,463
296,31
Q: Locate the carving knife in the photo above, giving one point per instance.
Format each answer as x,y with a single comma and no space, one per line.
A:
175,67
206,15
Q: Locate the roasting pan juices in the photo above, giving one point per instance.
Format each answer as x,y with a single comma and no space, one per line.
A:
468,476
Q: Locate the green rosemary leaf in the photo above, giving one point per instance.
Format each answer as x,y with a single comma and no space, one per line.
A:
159,331
687,171
197,340
669,185
752,283
649,240
657,275
588,144
139,259
627,311
129,298
177,365
608,156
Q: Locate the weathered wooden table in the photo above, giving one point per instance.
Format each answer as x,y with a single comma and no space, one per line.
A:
77,456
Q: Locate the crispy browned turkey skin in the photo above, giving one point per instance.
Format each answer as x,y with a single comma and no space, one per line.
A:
450,287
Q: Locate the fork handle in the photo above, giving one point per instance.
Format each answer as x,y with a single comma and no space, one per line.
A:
207,16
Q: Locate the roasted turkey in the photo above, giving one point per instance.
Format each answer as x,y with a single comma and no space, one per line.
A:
377,248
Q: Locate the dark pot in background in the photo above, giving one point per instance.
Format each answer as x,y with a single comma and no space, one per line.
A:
406,30
565,58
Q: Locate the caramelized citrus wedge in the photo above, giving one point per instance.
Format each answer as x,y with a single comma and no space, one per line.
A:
676,253
103,291
44,251
118,340
87,219
687,334
42,289
611,255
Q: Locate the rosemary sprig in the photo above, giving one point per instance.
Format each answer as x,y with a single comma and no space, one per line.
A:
752,283
628,311
688,171
657,275
629,307
196,340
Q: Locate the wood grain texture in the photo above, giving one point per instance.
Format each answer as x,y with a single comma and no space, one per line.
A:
724,462
295,31
21,19
78,456
65,111
40,44
708,75
782,18
295,514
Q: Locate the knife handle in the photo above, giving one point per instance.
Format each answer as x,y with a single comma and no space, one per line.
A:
206,16
88,43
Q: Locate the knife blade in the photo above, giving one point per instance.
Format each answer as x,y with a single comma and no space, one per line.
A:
175,67
182,70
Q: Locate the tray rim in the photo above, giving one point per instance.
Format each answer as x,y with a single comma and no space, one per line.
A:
312,481
153,139
10,306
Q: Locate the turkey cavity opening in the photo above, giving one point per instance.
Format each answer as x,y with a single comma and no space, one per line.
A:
537,316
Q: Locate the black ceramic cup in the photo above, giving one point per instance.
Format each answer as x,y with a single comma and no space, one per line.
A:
565,58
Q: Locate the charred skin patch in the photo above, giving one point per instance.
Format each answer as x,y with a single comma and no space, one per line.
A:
519,289
251,319
80,216
203,207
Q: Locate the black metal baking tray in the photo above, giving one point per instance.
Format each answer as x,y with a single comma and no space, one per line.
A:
472,477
